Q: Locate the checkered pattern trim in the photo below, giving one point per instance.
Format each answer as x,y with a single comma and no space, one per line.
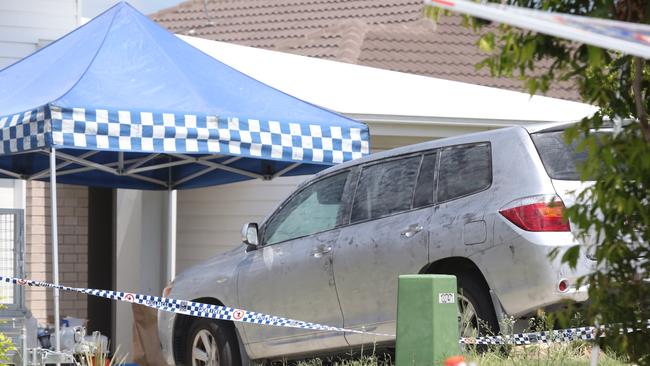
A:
25,131
101,129
192,308
554,336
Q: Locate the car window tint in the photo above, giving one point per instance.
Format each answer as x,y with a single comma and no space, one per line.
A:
464,170
385,188
312,210
424,190
562,160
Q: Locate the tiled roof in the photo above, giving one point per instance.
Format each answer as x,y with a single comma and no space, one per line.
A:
391,35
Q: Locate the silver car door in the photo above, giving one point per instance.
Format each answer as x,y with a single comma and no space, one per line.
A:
291,274
386,237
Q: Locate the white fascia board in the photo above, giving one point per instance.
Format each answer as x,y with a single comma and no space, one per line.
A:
433,127
354,89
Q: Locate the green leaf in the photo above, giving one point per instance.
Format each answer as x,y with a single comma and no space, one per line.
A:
571,256
532,85
596,56
528,51
486,42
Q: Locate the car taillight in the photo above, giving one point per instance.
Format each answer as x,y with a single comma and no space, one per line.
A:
541,213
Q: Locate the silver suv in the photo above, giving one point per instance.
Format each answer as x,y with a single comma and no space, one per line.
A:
486,207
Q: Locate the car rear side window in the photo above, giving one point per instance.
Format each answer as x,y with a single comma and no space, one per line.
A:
425,189
464,170
385,189
561,160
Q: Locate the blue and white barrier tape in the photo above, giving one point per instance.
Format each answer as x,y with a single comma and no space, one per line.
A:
192,308
198,309
552,336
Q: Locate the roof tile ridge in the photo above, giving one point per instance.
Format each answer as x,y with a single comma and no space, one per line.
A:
353,37
352,33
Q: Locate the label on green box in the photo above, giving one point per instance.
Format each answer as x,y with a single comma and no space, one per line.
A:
446,298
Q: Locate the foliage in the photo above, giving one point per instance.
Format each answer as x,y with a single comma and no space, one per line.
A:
573,353
6,346
577,353
614,213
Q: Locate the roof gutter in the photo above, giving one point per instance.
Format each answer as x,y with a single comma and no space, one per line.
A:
426,126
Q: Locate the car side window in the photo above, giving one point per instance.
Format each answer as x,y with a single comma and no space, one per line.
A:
425,189
312,210
385,189
464,170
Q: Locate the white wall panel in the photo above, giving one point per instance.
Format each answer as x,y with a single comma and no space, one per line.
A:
139,257
26,25
29,34
54,7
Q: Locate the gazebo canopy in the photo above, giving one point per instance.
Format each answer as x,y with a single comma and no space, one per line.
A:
127,104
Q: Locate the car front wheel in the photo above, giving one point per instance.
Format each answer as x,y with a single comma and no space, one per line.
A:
212,343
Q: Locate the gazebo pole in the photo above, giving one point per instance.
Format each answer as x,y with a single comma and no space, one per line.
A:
171,234
55,247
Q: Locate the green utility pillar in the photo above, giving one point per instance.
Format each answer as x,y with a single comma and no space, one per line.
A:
427,320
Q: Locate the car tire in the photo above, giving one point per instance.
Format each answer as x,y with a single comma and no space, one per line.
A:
473,297
212,343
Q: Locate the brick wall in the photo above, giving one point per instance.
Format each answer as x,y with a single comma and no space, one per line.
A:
73,248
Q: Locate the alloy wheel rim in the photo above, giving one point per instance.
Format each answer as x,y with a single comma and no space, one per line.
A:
467,318
204,349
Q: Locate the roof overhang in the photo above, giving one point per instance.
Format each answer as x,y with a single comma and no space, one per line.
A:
378,96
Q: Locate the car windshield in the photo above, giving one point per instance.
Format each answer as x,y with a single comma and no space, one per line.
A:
561,160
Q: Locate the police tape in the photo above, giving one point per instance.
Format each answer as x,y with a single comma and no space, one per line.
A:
192,308
551,336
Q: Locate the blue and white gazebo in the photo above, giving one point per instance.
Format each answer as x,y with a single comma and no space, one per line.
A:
121,102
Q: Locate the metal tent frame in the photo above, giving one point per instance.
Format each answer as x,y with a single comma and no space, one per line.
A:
130,168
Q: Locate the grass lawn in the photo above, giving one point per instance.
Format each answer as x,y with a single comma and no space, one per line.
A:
576,353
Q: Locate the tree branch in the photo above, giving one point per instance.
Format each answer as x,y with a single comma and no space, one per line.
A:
641,113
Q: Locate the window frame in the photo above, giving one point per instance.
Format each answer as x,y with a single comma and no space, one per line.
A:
490,168
340,216
435,179
419,154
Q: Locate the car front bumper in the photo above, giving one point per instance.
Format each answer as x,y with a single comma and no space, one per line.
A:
166,333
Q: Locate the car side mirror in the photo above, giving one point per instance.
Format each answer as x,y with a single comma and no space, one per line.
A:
249,236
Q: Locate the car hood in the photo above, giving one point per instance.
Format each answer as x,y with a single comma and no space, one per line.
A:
215,277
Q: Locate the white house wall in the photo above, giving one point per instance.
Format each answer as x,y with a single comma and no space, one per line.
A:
27,25
140,244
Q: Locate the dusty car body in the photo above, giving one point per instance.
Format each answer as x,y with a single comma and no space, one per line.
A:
486,207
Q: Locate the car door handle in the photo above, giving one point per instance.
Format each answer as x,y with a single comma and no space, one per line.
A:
411,231
318,252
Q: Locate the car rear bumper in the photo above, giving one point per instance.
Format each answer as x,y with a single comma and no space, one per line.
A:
523,276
